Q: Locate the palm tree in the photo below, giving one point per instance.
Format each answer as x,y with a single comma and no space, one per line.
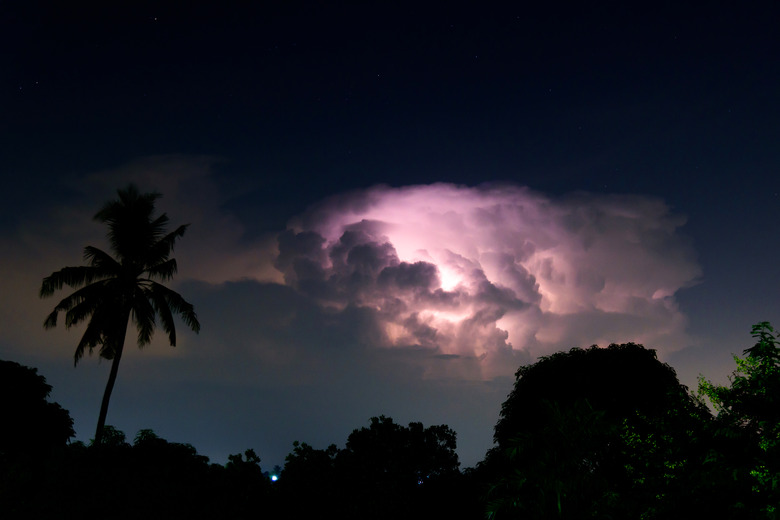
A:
111,290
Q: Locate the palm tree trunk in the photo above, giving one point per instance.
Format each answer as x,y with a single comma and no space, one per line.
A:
110,384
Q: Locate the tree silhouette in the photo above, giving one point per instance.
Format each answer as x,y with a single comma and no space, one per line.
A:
397,471
608,432
313,472
395,455
32,425
386,470
747,427
112,290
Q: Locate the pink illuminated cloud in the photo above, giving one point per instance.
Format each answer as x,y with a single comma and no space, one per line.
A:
485,277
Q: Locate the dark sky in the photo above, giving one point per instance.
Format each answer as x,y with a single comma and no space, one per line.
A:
246,114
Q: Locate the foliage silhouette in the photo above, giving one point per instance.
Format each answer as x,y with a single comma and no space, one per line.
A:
588,433
313,470
151,478
244,484
32,425
597,432
34,433
112,438
391,467
113,290
747,426
413,454
385,471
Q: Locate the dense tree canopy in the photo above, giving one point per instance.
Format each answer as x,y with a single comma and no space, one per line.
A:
406,455
618,380
746,431
386,470
31,423
597,432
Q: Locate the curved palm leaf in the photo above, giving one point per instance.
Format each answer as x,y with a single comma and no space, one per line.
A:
162,308
93,336
100,259
164,246
180,306
91,293
164,270
72,277
143,316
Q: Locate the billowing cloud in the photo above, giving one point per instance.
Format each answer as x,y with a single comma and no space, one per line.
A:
483,277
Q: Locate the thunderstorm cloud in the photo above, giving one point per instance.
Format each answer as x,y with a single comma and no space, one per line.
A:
481,279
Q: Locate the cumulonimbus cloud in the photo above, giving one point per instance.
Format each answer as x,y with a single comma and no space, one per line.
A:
480,277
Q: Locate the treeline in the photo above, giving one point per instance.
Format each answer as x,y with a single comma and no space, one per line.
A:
386,470
589,433
151,478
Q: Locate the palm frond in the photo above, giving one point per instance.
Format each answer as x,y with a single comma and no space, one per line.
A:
158,226
164,311
92,337
179,306
129,220
94,292
100,259
163,271
129,200
107,349
143,317
51,320
81,311
72,277
163,247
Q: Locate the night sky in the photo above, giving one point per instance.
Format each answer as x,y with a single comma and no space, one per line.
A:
392,207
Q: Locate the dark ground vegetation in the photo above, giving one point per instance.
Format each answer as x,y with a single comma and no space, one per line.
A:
588,433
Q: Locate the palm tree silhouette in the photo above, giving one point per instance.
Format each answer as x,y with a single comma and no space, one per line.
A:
113,289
